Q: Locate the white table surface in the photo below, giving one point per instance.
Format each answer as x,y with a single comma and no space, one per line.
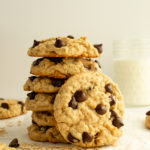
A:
136,136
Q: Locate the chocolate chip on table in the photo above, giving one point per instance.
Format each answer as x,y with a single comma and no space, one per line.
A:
80,96
32,78
5,105
112,101
101,109
14,143
148,113
70,37
98,63
117,122
87,137
109,88
57,82
36,62
36,43
99,47
59,43
73,103
1,98
72,139
31,95
55,59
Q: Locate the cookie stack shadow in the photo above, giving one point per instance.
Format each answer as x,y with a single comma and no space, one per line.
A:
61,59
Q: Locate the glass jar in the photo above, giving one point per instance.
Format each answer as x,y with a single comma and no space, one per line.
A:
132,70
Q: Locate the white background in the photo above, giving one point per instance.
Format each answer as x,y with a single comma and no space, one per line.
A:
102,21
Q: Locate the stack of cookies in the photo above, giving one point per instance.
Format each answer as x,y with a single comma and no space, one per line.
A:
71,99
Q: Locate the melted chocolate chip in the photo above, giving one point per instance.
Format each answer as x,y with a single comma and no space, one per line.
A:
1,98
87,137
31,95
80,96
101,109
98,63
148,113
117,122
113,101
72,139
73,103
59,43
14,143
53,99
70,37
109,88
55,59
5,105
22,105
99,47
32,78
36,62
35,43
57,82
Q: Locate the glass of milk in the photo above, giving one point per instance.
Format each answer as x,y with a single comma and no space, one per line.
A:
132,70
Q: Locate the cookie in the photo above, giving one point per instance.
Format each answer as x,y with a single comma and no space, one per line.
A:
11,108
44,118
147,121
40,101
65,47
5,147
43,84
62,67
45,133
89,110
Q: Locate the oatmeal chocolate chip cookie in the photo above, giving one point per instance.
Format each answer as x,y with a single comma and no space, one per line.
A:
147,121
43,84
44,118
89,110
45,133
65,47
62,67
11,108
39,101
5,147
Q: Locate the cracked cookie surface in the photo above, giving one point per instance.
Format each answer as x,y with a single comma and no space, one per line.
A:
89,110
65,47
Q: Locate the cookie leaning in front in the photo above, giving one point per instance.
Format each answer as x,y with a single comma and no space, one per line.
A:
89,110
65,47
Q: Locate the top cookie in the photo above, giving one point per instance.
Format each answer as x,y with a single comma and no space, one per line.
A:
65,47
89,109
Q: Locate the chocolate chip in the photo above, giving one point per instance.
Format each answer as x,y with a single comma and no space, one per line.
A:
80,96
31,95
1,98
70,37
97,134
5,105
33,122
87,137
36,62
73,103
101,109
55,59
59,43
14,143
113,101
113,114
98,63
53,99
117,122
22,105
99,47
32,78
148,113
57,82
90,67
72,139
44,128
109,88
35,43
